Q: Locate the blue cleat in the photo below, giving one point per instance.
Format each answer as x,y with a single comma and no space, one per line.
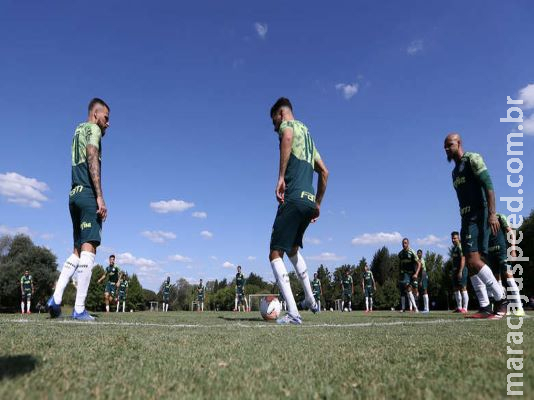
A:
83,316
289,319
53,308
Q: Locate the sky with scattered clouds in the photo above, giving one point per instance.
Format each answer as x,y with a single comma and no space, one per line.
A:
190,159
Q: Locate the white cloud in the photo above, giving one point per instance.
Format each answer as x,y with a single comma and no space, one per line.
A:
528,125
415,47
527,95
214,258
228,264
261,29
47,236
200,214
347,89
22,190
206,234
251,258
180,258
164,207
158,236
312,240
6,230
143,263
326,257
377,238
431,240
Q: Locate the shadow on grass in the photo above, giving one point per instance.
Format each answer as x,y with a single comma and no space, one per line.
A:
240,318
12,366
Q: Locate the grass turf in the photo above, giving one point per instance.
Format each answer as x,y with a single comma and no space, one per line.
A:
223,355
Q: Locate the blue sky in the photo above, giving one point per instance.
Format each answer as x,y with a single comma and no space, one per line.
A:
190,159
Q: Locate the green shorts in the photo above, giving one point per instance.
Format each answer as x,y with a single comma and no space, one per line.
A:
26,296
424,281
368,291
347,296
240,298
475,233
317,296
86,224
459,282
166,297
111,288
122,296
404,280
292,219
200,298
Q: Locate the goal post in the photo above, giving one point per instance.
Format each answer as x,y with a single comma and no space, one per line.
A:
193,304
153,306
258,296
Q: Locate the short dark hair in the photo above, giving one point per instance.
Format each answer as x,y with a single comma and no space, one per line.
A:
96,101
419,250
455,233
281,102
408,240
112,256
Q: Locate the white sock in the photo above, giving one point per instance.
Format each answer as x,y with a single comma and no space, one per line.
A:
118,305
425,301
85,268
350,305
465,297
412,301
409,301
123,306
403,302
319,305
480,290
107,307
458,299
513,292
22,307
371,303
367,304
493,287
280,273
235,304
342,305
302,272
28,304
69,268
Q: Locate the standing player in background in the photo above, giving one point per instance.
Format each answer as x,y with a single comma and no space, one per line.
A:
87,209
368,288
423,282
123,292
27,290
240,298
459,275
317,291
114,274
298,205
347,287
476,198
409,266
200,296
166,293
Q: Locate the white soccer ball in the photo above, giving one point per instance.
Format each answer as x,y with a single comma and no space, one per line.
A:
346,309
270,308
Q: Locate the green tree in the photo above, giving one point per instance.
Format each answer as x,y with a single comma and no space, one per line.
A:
136,298
95,294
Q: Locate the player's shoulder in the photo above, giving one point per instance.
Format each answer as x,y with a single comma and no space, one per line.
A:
475,159
503,220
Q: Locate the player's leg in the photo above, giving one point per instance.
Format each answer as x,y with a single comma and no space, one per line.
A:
28,303
236,302
124,306
371,301
411,298
22,303
512,291
107,296
246,303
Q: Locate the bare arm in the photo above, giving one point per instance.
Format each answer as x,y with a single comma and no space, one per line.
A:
286,139
511,241
418,269
94,170
492,214
321,169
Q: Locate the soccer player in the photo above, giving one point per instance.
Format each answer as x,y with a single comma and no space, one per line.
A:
26,288
200,296
409,266
113,273
87,209
298,205
123,292
368,288
240,298
166,293
459,275
347,286
476,198
317,291
424,282
497,261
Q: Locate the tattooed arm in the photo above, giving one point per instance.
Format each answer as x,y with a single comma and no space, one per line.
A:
94,170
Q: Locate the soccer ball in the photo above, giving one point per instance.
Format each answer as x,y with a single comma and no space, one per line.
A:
270,308
346,309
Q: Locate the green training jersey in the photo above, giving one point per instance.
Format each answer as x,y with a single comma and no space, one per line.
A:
112,271
456,255
347,283
240,280
166,287
408,261
86,134
26,282
299,171
467,183
316,286
200,290
368,279
423,264
123,286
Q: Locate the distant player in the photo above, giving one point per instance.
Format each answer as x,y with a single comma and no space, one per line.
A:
87,209
368,288
123,292
477,209
409,266
347,287
240,298
459,275
298,205
423,282
113,273
26,288
166,293
317,291
200,296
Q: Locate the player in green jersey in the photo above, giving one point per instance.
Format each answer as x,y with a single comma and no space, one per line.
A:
200,296
368,288
317,290
123,292
298,204
476,198
240,298
26,289
497,260
113,273
409,267
347,287
166,293
459,275
87,208
423,284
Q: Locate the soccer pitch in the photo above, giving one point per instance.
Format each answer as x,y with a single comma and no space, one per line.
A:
221,355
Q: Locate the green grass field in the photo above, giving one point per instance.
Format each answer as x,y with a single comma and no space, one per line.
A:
189,355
